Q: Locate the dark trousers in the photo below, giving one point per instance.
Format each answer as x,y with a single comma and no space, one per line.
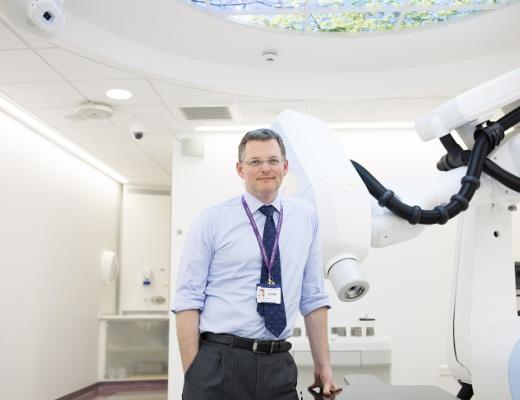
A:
220,372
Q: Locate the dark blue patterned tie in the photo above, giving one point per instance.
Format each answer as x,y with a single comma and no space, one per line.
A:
274,314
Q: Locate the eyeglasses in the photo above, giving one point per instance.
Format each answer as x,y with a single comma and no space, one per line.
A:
272,162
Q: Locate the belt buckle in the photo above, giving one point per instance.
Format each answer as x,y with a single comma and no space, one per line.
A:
255,347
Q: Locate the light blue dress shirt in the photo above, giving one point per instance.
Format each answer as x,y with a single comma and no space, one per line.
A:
221,265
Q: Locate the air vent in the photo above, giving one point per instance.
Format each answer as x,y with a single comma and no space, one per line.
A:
204,113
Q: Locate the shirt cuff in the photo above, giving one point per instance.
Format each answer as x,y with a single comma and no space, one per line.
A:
308,306
187,305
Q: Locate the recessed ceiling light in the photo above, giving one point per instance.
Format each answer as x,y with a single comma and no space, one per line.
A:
119,94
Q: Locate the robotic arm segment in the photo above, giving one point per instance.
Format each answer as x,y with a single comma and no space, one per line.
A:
471,108
441,213
487,137
457,157
338,194
388,228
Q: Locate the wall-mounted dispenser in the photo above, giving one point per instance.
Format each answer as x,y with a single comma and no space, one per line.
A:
109,267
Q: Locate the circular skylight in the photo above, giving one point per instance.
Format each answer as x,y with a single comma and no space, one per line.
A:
350,16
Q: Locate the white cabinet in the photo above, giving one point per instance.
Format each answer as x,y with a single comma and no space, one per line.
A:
133,347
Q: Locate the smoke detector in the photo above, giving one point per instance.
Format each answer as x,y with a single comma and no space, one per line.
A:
270,56
91,110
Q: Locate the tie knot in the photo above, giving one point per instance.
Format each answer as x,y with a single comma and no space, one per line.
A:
268,211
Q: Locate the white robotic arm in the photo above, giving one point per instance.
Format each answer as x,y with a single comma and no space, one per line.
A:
470,108
320,173
485,333
351,221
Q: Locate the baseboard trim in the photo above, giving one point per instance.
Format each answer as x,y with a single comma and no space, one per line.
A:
79,394
107,388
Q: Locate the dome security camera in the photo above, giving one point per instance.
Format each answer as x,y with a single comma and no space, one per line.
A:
138,130
40,17
138,135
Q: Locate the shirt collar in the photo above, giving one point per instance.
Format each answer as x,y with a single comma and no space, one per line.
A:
254,204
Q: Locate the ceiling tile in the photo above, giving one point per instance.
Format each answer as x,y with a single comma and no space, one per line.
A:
157,145
23,66
130,161
156,118
345,110
165,162
8,40
48,94
447,94
86,135
266,111
116,152
30,39
176,94
75,67
57,117
398,109
179,94
142,92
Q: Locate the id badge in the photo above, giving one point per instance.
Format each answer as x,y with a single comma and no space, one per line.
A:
268,294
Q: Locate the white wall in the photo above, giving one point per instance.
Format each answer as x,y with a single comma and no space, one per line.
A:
410,282
57,215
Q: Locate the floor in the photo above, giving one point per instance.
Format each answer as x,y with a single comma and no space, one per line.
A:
134,396
127,391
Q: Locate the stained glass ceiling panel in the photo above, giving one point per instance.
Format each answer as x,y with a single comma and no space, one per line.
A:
347,16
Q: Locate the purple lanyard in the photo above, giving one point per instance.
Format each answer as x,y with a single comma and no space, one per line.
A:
268,263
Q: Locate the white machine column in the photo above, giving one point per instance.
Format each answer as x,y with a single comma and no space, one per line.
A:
485,324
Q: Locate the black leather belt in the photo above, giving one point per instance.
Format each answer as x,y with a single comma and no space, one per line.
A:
256,346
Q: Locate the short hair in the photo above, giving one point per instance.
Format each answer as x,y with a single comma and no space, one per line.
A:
263,135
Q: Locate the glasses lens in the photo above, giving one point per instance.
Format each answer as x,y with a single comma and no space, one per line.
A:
273,162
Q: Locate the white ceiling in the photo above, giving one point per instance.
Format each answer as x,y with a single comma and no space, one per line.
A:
215,40
52,79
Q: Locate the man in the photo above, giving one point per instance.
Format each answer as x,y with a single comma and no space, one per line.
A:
239,292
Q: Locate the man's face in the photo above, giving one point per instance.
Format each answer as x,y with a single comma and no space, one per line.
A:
262,181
